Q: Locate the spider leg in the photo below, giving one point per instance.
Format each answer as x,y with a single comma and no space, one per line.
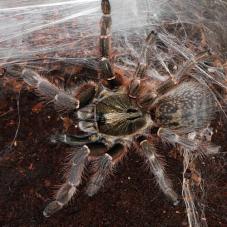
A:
75,140
174,138
140,72
104,166
201,147
105,26
49,91
68,71
86,93
105,47
106,70
186,67
68,189
52,93
143,62
158,170
111,79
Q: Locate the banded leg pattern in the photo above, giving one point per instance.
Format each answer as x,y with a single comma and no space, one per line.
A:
142,65
104,166
105,26
68,189
50,92
157,169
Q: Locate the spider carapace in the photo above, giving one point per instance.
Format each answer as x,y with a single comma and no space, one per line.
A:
119,111
118,115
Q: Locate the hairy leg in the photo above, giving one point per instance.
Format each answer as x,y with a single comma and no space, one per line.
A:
103,167
157,168
171,137
187,143
143,61
140,72
146,99
105,27
75,140
107,73
62,99
68,189
185,68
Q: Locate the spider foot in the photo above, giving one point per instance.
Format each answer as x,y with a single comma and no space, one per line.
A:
52,208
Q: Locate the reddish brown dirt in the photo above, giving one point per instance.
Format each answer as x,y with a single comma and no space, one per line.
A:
32,167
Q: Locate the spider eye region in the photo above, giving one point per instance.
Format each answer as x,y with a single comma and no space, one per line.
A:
133,114
131,110
117,115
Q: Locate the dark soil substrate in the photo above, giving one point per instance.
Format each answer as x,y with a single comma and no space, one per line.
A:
32,167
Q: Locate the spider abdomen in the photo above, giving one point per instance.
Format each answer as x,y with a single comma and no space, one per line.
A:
189,106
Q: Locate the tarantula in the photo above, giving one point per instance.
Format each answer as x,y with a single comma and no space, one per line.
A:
119,112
